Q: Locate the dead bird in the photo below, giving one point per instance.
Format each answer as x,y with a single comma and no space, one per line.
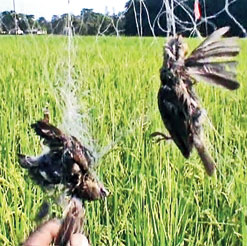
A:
213,62
66,162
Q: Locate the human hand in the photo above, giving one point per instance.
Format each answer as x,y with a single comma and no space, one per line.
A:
46,233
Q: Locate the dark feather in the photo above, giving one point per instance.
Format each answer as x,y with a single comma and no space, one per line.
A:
176,119
214,37
43,210
88,187
53,137
217,79
214,47
231,43
206,159
208,61
221,44
215,74
45,169
220,66
223,52
56,139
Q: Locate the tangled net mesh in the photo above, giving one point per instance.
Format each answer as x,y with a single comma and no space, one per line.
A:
169,17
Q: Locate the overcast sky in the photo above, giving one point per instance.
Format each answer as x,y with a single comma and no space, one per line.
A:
47,8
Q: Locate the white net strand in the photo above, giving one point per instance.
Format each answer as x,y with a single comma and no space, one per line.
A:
227,4
191,25
168,8
16,24
205,14
75,116
102,33
136,20
148,17
140,18
158,14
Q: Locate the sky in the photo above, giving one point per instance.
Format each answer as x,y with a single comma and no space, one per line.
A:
47,8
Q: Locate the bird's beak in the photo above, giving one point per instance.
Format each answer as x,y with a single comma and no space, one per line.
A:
104,192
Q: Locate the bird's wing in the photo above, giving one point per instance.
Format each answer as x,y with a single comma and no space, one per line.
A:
176,119
213,61
80,154
53,137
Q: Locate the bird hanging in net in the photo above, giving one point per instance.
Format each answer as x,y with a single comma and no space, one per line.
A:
213,61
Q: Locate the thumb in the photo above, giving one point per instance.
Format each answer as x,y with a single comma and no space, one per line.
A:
79,239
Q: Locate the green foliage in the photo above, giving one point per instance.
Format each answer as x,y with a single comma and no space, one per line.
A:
157,197
7,20
88,23
12,20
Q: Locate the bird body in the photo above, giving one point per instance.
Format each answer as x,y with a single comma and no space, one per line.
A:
66,162
172,106
178,104
45,169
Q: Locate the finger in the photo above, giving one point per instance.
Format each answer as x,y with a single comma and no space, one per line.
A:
44,235
78,239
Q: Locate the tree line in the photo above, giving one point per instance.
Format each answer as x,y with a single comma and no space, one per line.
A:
87,23
140,17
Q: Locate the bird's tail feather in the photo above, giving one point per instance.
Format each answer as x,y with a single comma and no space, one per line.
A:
206,159
72,223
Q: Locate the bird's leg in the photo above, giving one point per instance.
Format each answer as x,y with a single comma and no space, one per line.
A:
163,136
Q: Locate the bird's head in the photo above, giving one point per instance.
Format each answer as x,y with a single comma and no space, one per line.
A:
92,189
175,51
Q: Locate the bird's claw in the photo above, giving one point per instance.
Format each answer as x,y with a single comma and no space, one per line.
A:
163,136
